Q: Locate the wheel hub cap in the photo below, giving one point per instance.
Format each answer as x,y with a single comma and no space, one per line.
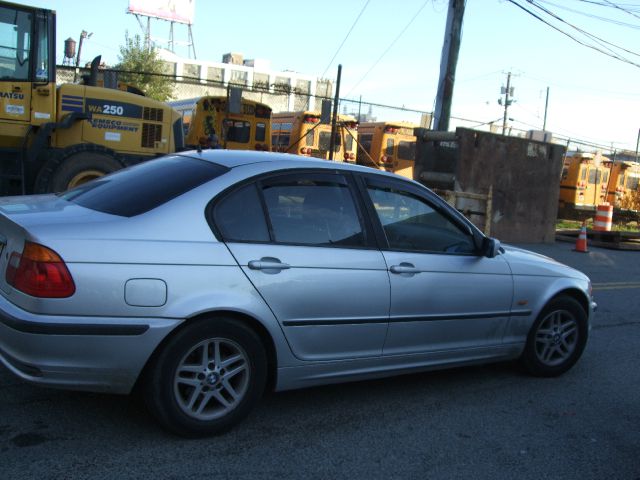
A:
556,338
211,379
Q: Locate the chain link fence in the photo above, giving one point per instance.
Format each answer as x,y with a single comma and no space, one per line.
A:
281,97
284,97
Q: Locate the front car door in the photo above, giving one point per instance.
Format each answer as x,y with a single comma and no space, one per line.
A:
302,242
445,297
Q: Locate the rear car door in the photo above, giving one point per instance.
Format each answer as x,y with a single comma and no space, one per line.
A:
301,240
444,296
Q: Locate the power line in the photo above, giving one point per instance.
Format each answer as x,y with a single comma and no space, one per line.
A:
345,38
609,54
622,9
604,3
567,86
598,40
389,47
590,15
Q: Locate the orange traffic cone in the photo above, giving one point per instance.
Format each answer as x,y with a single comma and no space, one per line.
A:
581,242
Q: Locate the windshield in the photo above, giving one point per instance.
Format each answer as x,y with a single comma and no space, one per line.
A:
15,41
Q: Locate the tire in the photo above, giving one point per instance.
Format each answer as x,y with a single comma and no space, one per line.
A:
557,338
207,378
75,169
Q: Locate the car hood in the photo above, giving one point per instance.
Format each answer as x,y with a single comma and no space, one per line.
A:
525,262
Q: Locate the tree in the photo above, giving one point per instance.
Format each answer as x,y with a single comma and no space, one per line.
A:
141,67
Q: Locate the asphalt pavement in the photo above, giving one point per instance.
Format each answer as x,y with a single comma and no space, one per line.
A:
492,421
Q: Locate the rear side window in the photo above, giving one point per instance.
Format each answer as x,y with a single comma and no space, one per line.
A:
145,186
240,218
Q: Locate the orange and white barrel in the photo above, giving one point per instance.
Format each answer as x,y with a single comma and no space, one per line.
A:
604,218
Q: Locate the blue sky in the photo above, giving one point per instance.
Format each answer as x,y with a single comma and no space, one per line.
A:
592,96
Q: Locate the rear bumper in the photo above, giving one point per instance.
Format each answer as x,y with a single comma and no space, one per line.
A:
98,354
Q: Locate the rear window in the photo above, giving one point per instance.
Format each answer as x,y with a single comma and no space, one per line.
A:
144,187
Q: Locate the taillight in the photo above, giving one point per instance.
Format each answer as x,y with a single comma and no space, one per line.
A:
39,272
352,156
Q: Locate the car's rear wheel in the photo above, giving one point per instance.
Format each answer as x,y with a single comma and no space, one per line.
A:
557,338
207,378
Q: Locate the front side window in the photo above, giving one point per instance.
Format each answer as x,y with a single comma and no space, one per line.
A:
314,211
15,42
412,224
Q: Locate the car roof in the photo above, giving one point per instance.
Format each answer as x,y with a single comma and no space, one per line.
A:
237,158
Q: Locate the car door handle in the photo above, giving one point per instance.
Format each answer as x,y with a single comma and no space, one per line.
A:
404,268
268,264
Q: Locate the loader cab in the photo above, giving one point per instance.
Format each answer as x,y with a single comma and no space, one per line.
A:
27,69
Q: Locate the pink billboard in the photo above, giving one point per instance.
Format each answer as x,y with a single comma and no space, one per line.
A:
181,11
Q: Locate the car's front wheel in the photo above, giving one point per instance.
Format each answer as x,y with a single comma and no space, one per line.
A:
207,378
557,338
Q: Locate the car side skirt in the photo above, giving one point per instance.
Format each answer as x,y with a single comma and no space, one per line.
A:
323,373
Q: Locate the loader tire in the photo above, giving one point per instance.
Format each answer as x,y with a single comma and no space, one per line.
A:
75,169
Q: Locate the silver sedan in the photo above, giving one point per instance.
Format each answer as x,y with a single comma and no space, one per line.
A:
205,278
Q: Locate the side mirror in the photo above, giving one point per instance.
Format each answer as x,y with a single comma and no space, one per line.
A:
491,247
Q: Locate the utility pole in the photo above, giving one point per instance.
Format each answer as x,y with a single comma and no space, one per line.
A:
448,63
334,118
546,106
508,93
